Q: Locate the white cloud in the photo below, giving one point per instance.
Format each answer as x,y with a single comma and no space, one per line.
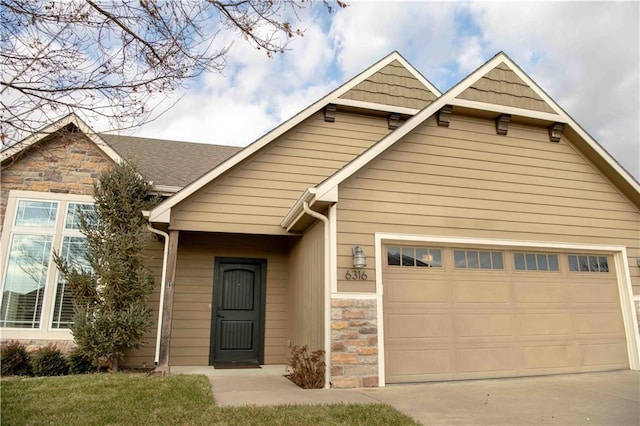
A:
585,55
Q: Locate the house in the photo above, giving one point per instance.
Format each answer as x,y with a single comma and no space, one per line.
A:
412,235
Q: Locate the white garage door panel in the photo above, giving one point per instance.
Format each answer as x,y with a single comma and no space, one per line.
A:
448,324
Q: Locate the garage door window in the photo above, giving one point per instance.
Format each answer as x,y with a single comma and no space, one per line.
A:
420,257
536,262
583,263
477,259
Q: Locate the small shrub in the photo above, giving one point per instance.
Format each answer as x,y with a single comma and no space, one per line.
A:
306,369
49,361
80,363
15,360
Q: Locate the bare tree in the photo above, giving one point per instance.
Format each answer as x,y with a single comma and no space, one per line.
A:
113,59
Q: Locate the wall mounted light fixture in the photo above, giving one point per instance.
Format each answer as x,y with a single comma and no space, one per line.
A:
359,259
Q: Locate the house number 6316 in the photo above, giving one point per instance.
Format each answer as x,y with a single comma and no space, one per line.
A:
355,275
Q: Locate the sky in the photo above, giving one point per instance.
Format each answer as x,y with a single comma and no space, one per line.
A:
585,55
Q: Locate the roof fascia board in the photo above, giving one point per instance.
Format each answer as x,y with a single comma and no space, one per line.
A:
448,98
57,126
190,189
374,106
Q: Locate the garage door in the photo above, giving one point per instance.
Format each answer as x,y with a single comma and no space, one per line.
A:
463,313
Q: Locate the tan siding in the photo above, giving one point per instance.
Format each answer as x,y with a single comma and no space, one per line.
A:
191,328
306,289
392,85
519,186
256,195
145,355
501,86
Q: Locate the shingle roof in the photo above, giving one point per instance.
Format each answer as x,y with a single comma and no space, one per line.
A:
169,163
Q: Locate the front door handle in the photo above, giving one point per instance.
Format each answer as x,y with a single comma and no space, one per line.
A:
219,316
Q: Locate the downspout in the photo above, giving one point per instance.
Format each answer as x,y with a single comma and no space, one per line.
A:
327,291
163,282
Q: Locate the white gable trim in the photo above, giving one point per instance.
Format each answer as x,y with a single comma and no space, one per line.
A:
449,98
162,212
57,126
375,106
500,109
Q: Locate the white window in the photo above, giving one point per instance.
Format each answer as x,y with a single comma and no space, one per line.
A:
34,297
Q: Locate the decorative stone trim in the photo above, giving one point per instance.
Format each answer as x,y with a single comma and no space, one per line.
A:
354,343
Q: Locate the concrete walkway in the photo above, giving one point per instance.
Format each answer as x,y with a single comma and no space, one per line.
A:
610,398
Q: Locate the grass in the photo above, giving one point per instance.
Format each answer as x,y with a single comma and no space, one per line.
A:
134,399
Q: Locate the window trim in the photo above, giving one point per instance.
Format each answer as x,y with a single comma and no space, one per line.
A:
45,330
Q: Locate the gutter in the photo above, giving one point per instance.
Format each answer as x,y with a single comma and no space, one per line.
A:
163,284
297,211
327,291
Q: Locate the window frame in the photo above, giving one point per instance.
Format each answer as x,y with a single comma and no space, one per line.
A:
415,265
491,252
588,256
536,254
45,330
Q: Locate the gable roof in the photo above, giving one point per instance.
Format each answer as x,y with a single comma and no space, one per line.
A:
161,213
67,122
169,165
327,191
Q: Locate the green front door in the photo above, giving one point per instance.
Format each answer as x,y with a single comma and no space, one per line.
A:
237,320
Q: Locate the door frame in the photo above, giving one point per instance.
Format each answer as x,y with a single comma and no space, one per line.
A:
217,272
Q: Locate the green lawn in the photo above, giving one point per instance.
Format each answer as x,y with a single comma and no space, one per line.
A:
133,399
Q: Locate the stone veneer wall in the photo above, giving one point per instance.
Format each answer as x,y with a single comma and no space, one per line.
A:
67,164
354,343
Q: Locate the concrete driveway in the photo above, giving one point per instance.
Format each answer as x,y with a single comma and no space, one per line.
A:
610,398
